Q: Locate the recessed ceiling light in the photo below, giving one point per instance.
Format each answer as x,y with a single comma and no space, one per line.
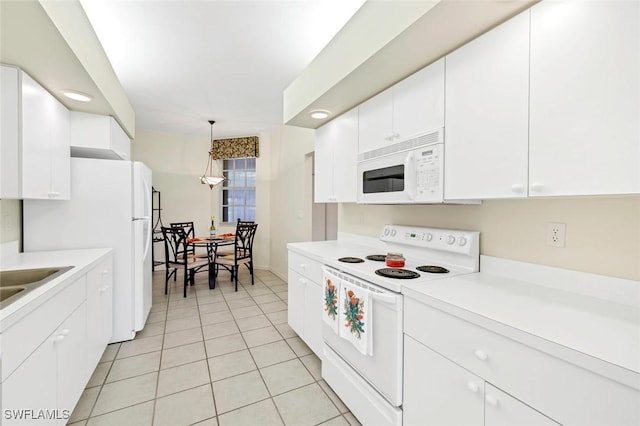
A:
319,114
77,96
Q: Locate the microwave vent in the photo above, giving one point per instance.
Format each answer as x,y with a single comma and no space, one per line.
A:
406,145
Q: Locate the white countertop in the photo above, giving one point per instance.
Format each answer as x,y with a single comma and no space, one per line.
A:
320,250
81,260
605,334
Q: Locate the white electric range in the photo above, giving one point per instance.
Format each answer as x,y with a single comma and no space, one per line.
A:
364,364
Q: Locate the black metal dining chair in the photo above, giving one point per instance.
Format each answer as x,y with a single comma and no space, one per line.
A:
242,252
189,230
179,257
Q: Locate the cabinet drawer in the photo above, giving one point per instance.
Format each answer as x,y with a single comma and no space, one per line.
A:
26,335
561,390
306,267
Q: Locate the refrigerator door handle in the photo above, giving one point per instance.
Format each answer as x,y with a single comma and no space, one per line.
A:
142,218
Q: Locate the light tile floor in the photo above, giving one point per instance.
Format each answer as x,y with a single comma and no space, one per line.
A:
217,357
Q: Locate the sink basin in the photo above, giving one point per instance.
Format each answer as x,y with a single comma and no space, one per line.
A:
28,276
6,293
17,283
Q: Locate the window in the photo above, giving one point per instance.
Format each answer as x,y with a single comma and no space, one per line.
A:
239,190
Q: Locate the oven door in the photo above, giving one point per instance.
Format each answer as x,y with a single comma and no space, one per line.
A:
406,177
383,368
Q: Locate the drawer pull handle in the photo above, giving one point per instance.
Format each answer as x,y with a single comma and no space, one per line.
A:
65,332
303,266
58,339
105,272
103,289
491,400
481,355
472,386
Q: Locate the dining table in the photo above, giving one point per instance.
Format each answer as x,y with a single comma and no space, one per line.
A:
212,244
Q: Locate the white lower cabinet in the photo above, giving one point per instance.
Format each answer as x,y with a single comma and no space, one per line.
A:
437,391
49,354
305,300
71,354
33,386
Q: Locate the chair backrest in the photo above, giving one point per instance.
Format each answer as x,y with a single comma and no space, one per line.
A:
245,234
175,246
187,226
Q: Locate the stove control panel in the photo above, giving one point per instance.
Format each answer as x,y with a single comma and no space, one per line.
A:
465,242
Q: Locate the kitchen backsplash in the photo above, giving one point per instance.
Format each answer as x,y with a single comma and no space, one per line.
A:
11,221
602,233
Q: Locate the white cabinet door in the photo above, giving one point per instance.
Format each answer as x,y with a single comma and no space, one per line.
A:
375,126
323,164
296,302
502,409
418,102
71,354
437,391
60,154
585,98
36,140
487,114
44,144
99,312
335,160
9,133
31,387
345,158
98,136
312,316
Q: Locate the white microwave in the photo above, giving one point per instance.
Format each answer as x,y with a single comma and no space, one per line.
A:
408,172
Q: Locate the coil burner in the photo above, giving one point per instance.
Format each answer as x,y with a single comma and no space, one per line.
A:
432,269
377,257
350,260
397,273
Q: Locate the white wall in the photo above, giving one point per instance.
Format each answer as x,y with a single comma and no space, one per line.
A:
11,221
602,237
291,201
177,162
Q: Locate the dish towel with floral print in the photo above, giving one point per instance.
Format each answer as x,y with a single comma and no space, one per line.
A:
330,296
355,316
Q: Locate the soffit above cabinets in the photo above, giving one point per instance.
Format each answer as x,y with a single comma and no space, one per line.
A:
54,43
381,45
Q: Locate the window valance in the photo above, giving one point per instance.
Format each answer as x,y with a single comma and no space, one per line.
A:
235,148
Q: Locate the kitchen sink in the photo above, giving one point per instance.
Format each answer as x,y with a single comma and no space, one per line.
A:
15,284
6,293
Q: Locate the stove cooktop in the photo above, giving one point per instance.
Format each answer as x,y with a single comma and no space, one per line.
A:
430,253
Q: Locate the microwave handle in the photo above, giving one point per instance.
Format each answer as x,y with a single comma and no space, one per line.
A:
409,175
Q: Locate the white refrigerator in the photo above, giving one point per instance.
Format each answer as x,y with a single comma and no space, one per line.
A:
110,206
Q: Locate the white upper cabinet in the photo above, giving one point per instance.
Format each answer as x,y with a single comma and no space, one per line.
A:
335,160
98,136
418,103
487,114
585,98
35,142
410,108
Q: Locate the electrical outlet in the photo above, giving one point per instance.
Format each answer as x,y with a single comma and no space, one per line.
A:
556,234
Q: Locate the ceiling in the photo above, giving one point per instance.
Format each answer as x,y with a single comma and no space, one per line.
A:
182,63
170,66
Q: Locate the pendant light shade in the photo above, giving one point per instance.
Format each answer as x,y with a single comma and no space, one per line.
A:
208,177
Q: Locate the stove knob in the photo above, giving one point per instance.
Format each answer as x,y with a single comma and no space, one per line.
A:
386,231
429,236
462,241
393,232
450,239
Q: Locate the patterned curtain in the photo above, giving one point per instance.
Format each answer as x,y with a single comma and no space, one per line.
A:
235,148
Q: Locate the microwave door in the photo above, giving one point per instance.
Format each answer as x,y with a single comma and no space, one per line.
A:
386,179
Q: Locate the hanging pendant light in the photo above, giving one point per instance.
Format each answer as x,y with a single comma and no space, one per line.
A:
210,179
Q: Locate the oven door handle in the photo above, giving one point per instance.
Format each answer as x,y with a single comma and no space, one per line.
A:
379,297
